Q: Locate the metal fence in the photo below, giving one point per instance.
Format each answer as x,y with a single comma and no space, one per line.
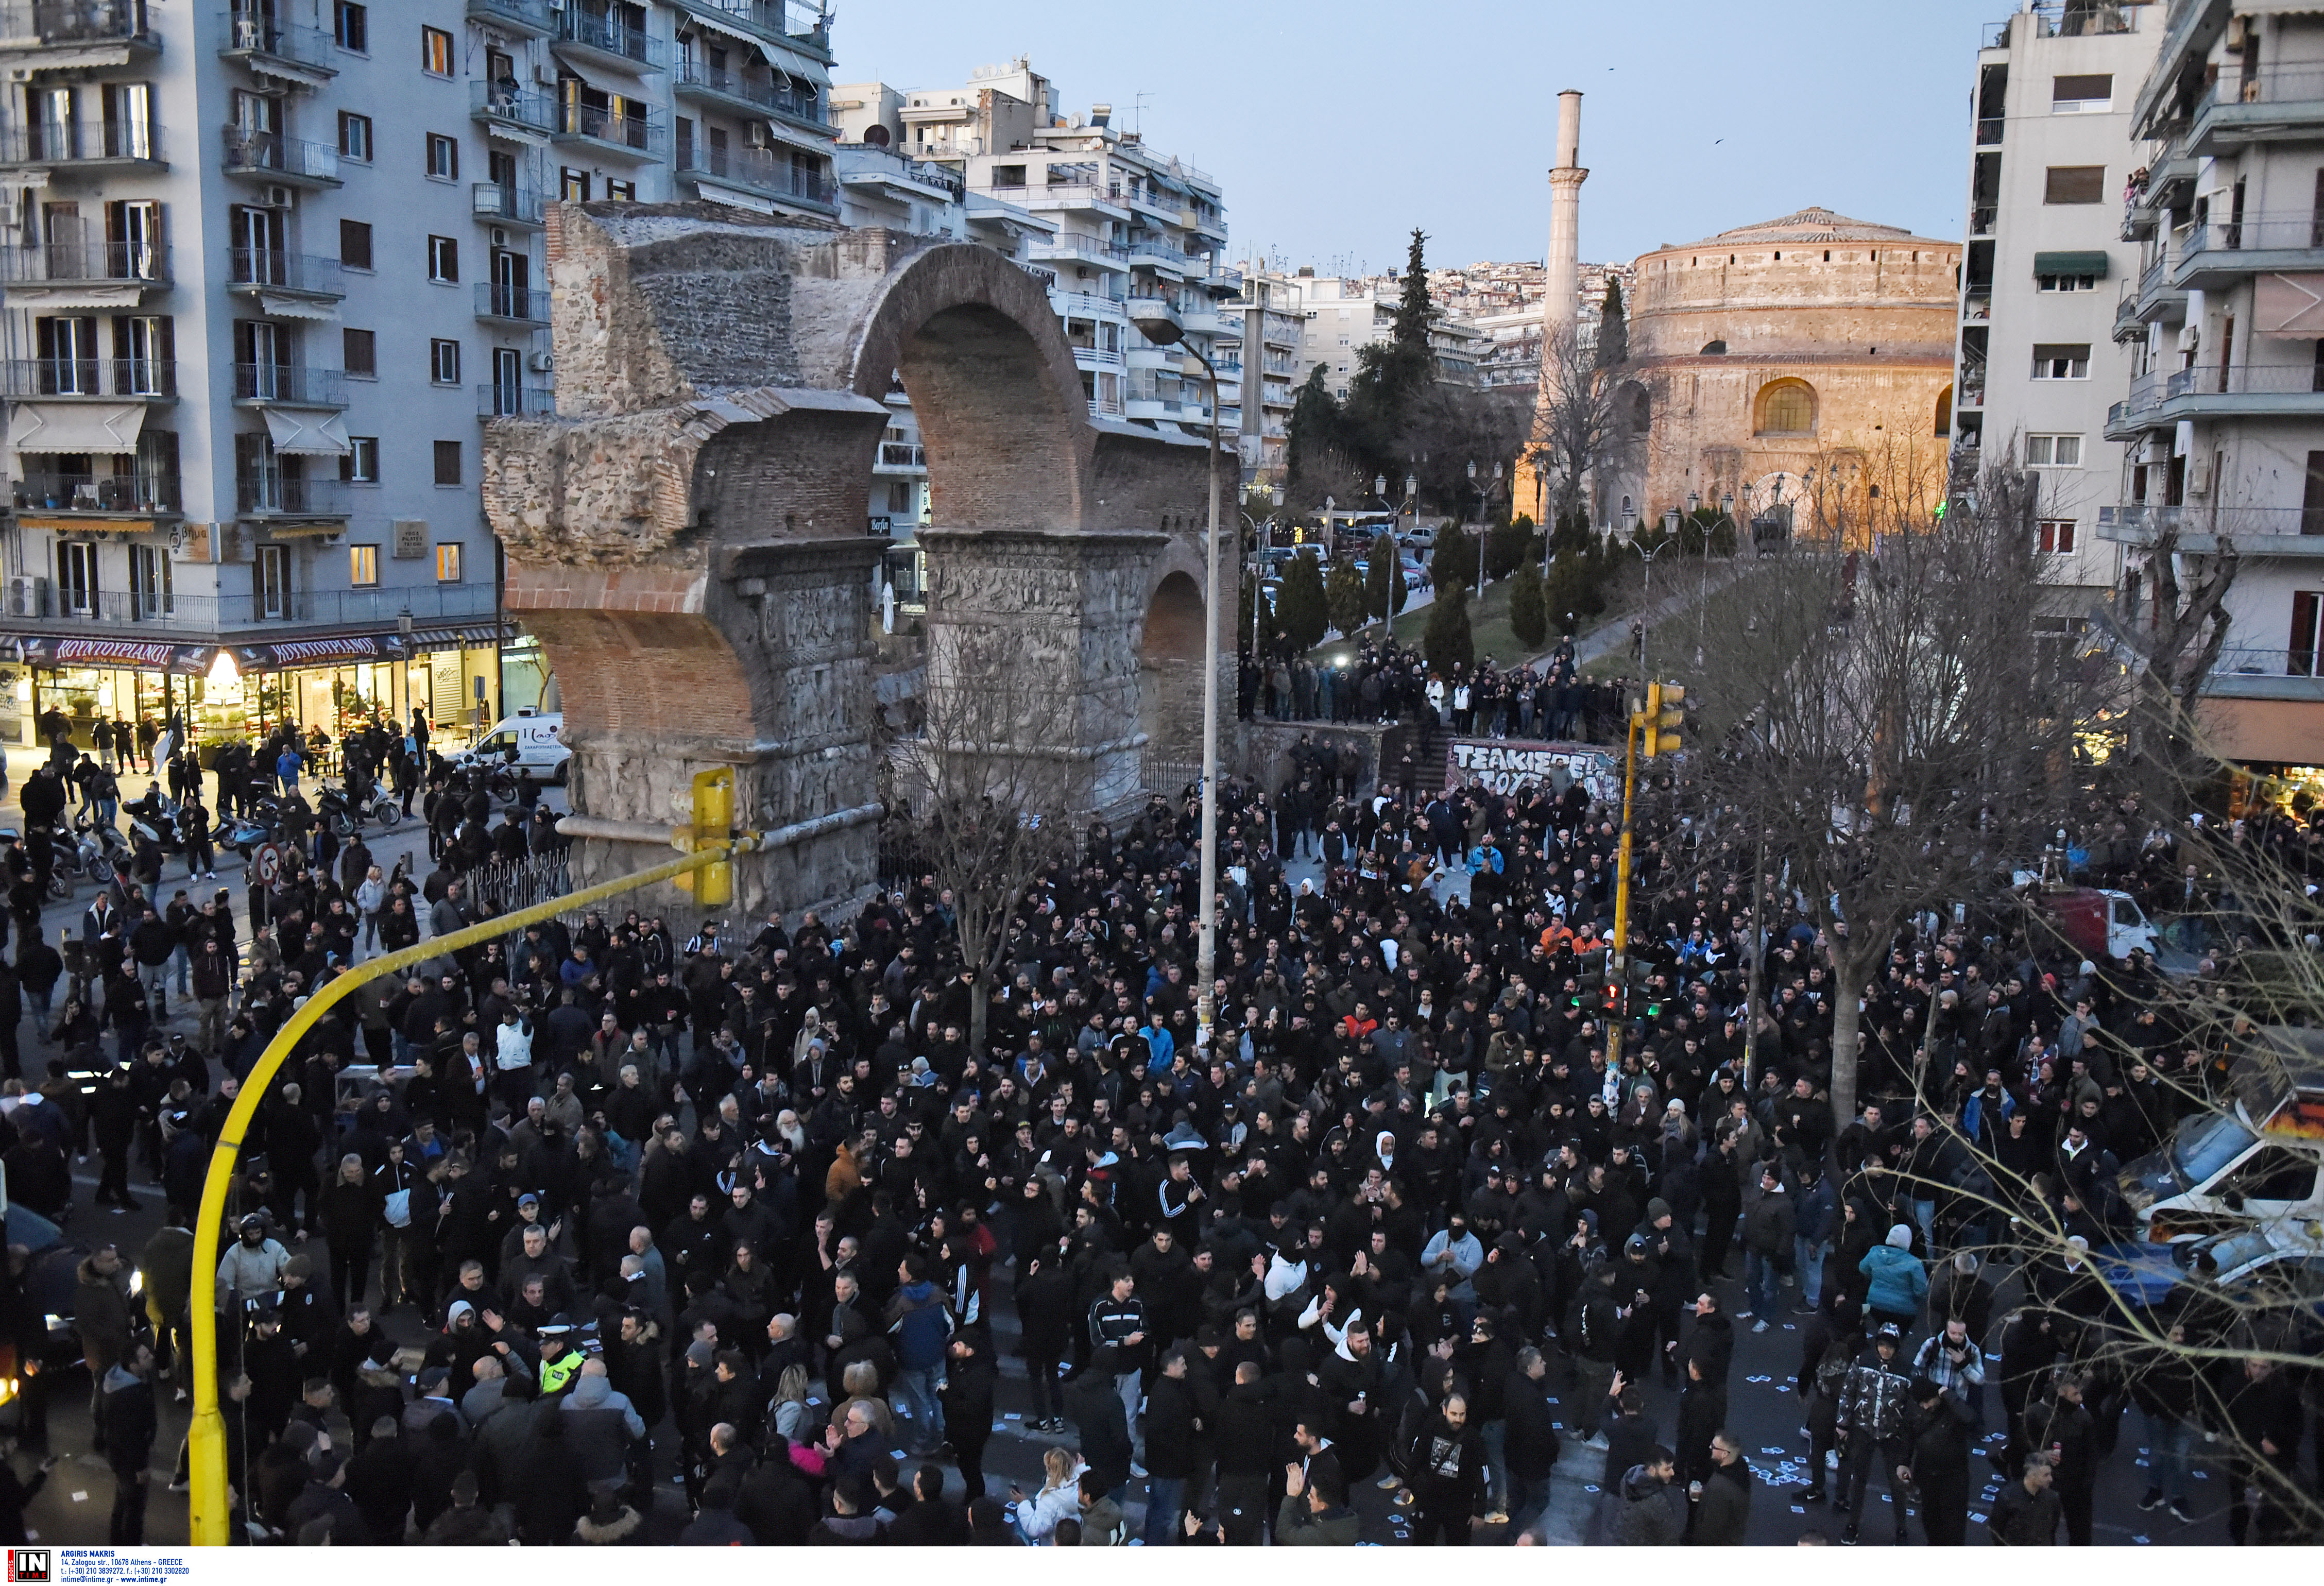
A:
507,885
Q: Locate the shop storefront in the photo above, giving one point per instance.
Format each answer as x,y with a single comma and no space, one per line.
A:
453,677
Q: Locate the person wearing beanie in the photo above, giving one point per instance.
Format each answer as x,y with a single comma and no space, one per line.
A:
1898,1282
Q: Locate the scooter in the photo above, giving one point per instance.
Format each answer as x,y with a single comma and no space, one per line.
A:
154,819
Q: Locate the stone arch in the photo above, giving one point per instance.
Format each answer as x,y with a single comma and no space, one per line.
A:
1170,667
994,387
1784,407
1945,411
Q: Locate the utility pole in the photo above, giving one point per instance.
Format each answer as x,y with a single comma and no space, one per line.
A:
1652,730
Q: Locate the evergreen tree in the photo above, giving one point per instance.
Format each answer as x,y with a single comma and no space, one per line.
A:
1393,378
1345,597
1448,643
1301,614
1613,328
1413,310
1527,618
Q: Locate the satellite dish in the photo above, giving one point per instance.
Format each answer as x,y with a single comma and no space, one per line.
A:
876,136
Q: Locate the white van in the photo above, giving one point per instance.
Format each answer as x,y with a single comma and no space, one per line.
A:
536,737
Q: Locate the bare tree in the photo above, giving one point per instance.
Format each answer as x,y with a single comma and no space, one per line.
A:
1887,722
987,794
2179,637
1579,426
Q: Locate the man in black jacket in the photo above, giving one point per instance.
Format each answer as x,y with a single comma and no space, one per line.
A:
1722,1499
1529,1438
129,1427
1942,1427
1246,1436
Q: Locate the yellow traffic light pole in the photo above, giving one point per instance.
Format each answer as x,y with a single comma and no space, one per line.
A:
1651,732
707,871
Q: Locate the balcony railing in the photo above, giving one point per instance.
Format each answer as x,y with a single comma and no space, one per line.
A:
1069,246
512,107
61,263
1090,358
508,400
2139,519
273,156
2081,19
516,304
1981,219
270,494
289,383
1087,305
1988,131
796,20
642,132
2282,85
759,170
80,144
693,73
2265,380
2255,233
271,268
533,17
77,22
243,32
902,456
605,36
1154,248
134,494
853,161
88,377
207,615
516,205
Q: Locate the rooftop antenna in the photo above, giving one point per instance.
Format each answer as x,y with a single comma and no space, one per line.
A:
1138,110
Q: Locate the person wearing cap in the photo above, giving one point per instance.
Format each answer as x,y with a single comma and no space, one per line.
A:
1871,1421
253,1265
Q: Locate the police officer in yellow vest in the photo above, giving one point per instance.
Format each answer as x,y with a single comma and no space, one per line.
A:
560,1363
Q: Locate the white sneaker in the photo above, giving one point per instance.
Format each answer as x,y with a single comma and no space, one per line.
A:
1760,1325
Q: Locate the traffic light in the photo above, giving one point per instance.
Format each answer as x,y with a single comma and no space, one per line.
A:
1665,715
714,822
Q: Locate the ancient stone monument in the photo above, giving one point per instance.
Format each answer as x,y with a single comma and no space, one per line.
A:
688,534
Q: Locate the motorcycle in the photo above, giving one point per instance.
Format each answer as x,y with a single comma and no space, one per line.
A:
99,846
154,819
346,813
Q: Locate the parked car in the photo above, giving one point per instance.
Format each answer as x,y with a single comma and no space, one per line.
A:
2253,1160
2283,1258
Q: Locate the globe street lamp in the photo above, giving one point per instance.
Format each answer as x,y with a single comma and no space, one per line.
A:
1164,330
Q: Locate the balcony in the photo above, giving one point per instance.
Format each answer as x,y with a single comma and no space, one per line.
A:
503,400
498,303
84,32
93,147
604,41
2280,104
1087,305
2277,391
101,495
1090,358
273,493
267,273
2267,531
906,179
2157,297
97,379
1154,251
276,49
266,156
499,106
1068,195
81,265
207,616
901,456
1066,245
2218,252
699,81
534,19
760,171
509,206
2127,324
261,385
639,137
1988,131
796,22
1981,218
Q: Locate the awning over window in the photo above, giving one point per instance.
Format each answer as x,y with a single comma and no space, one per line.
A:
309,432
104,427
283,306
42,650
2290,307
2090,263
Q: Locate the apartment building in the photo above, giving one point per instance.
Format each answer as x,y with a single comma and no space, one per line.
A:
2043,350
2221,421
267,264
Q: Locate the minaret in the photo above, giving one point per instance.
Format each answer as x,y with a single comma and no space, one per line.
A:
1565,182
1529,492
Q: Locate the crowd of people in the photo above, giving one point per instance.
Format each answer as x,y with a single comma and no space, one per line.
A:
592,1214
1389,682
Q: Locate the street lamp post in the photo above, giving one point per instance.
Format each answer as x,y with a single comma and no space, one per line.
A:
1164,330
1647,601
